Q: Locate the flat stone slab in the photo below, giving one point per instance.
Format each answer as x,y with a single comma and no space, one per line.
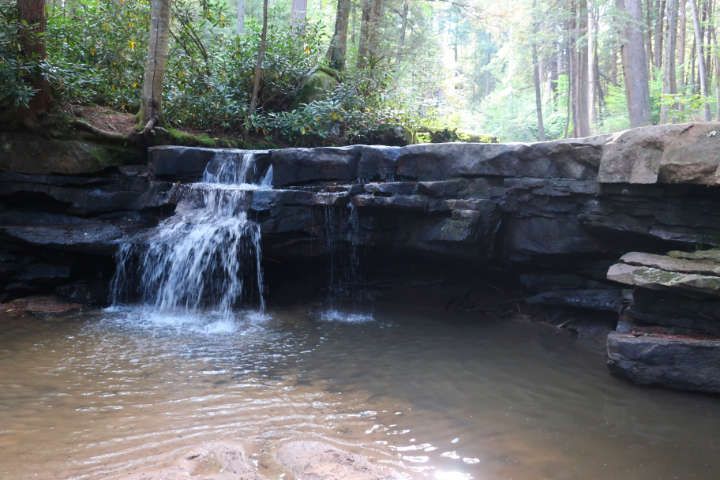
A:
678,362
655,278
702,266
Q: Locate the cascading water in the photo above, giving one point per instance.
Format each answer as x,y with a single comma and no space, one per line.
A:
207,255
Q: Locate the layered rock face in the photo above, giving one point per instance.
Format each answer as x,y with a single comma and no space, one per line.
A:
557,215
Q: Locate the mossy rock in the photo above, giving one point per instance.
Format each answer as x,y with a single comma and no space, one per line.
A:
392,135
317,85
34,154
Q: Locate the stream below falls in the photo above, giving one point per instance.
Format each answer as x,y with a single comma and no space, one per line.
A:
431,394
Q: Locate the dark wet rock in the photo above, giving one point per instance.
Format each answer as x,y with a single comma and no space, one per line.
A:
599,299
539,282
298,166
179,163
681,313
679,362
64,232
663,215
527,238
85,292
377,163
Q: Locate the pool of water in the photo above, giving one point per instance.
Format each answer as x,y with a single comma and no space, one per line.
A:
429,393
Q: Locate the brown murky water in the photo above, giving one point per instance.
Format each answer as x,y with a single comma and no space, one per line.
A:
430,394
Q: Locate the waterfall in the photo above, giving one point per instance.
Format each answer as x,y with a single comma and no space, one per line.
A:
344,282
208,254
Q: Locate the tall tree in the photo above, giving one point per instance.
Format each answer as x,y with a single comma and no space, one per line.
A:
150,108
257,76
581,119
337,52
536,78
635,65
298,14
240,17
658,33
404,14
682,24
669,82
700,60
32,43
593,83
372,11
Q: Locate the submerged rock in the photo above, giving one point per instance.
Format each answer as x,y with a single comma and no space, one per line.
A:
211,461
39,305
313,460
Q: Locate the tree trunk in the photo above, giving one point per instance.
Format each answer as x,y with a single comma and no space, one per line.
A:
298,14
150,109
701,60
536,80
581,122
669,83
32,43
257,76
717,72
338,45
369,32
403,30
647,31
634,60
240,17
659,28
682,21
592,61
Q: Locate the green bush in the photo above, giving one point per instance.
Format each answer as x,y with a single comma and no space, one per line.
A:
15,90
97,51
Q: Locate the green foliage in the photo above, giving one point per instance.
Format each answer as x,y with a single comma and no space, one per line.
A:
15,90
352,112
209,87
97,50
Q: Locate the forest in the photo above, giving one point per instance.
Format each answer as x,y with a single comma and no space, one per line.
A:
327,72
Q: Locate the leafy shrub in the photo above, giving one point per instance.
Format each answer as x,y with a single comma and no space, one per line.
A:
98,48
15,90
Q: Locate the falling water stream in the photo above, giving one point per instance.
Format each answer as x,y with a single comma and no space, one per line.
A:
206,255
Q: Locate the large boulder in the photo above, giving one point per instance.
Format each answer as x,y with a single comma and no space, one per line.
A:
687,153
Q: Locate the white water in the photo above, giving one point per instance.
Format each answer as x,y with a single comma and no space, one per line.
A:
207,255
